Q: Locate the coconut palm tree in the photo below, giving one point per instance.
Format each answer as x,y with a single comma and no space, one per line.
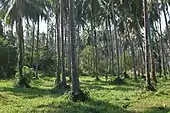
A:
17,9
76,92
146,24
63,81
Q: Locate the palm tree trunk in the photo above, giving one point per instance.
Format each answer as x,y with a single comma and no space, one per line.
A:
69,48
20,36
163,50
37,48
92,36
32,49
159,52
146,24
153,71
96,54
124,58
107,52
142,64
58,79
112,50
1,29
117,46
62,44
166,20
153,68
19,30
76,92
134,62
47,33
78,47
139,63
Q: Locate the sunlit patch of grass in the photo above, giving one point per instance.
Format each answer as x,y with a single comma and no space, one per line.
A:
104,97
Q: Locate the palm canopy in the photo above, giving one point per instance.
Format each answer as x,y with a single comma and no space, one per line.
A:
30,9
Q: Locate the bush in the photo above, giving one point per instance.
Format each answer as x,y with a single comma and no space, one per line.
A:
8,59
27,77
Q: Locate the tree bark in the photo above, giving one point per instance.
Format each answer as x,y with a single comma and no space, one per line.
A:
19,30
76,92
32,49
112,50
146,25
163,50
58,78
96,54
117,45
63,82
37,48
134,61
166,20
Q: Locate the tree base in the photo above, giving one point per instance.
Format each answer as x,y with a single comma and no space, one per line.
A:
118,81
126,75
150,88
59,88
79,96
97,79
22,83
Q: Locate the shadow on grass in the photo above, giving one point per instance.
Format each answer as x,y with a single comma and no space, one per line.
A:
116,88
93,82
90,106
126,82
30,93
158,110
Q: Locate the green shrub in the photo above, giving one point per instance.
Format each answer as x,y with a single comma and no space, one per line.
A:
26,78
8,59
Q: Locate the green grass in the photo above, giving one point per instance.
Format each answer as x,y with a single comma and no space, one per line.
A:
104,98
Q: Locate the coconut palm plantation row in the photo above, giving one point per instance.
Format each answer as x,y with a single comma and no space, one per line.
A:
80,56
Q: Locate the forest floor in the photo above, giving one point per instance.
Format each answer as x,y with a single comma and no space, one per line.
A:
104,97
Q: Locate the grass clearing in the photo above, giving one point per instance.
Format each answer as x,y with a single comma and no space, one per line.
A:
104,98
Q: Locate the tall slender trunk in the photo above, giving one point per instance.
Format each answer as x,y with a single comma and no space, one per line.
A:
158,51
32,49
47,32
107,51
112,50
65,44
19,30
117,45
166,20
96,54
153,68
75,89
37,47
124,58
58,78
146,24
134,61
69,50
23,51
93,57
120,53
1,29
92,37
163,50
62,44
78,47
159,58
138,62
142,64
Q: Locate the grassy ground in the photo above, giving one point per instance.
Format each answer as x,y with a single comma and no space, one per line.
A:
104,98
